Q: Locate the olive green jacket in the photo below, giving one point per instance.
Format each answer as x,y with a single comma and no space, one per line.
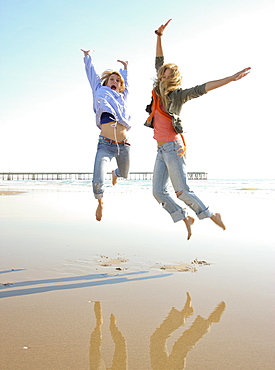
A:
177,98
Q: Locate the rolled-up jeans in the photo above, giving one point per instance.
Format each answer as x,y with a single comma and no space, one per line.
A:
170,164
106,151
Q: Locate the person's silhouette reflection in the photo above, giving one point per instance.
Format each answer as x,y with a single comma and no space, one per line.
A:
160,359
120,354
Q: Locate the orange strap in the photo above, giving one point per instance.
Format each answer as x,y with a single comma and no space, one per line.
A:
184,144
156,106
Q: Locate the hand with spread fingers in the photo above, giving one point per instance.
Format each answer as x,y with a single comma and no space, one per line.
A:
125,64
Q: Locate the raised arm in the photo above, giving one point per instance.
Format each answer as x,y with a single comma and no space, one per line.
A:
124,73
224,81
159,32
93,77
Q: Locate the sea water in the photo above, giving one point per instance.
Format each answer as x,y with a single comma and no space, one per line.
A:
259,188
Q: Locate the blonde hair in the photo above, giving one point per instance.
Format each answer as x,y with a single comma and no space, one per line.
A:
106,75
171,83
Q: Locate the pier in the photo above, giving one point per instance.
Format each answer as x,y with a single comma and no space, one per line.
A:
59,176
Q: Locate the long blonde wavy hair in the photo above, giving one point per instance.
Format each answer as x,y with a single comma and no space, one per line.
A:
173,82
106,75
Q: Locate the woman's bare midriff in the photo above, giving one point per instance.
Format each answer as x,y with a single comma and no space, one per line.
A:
160,143
118,133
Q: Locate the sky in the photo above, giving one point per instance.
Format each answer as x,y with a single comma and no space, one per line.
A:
47,121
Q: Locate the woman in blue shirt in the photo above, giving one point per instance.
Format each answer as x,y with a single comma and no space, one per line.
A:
110,92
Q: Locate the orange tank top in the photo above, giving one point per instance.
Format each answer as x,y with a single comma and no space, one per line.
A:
163,123
163,128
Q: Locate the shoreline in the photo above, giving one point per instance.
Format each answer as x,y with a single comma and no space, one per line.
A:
10,192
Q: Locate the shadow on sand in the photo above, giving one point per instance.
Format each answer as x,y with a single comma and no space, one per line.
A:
75,282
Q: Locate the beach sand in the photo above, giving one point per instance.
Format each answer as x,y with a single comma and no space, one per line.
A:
130,292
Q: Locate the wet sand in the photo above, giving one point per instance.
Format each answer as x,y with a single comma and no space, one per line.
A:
130,292
9,192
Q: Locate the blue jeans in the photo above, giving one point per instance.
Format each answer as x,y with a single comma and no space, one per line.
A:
170,164
106,151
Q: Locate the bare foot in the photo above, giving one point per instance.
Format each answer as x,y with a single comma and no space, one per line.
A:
99,210
114,178
189,222
217,218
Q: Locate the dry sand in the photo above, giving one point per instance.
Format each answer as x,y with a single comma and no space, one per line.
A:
130,292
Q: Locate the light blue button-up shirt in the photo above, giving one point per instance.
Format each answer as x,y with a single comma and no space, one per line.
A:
105,99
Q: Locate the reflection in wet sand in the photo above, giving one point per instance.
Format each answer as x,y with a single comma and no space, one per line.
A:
120,353
160,359
159,356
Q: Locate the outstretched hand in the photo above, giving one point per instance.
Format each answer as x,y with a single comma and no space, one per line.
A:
237,76
86,52
125,64
161,29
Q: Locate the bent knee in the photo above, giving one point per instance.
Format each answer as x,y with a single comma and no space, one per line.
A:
159,197
184,195
123,174
156,195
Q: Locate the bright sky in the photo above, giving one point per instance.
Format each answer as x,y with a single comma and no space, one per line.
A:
46,117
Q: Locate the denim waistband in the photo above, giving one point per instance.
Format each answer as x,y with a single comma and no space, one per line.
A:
123,142
178,141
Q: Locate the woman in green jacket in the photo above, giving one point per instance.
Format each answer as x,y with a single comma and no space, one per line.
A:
167,101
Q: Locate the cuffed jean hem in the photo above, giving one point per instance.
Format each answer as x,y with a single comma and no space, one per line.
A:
205,214
181,215
178,215
117,174
98,196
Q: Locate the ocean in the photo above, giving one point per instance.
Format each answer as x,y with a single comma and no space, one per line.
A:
258,188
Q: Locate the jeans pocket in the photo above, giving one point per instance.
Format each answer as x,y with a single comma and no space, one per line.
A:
102,144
